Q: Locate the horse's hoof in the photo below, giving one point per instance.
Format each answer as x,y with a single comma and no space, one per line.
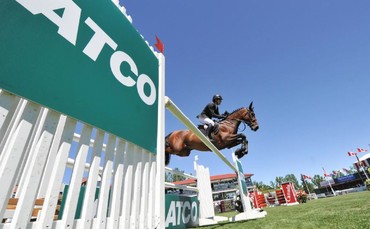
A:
239,153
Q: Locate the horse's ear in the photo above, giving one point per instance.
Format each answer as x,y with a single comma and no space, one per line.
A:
251,106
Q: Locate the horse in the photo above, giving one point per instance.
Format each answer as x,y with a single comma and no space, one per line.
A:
182,142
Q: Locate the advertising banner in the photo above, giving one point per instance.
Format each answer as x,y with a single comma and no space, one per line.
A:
181,211
241,177
344,179
289,193
83,59
253,195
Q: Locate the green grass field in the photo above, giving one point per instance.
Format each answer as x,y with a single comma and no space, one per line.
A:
345,211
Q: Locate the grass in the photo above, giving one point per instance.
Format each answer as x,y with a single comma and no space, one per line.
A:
342,212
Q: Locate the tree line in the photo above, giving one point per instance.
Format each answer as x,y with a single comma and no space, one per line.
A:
304,184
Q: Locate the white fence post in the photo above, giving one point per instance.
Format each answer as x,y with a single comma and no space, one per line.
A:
249,213
14,151
206,207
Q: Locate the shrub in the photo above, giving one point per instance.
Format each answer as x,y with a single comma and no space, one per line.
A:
367,182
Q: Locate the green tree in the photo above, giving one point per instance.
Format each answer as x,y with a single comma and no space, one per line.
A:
279,181
173,177
273,184
307,186
317,179
168,177
353,169
337,173
262,187
293,179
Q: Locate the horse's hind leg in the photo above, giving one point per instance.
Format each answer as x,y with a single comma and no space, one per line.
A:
183,152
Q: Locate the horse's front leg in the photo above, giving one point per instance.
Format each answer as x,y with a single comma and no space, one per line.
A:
243,150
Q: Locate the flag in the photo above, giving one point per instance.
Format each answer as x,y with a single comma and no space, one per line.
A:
306,177
325,174
360,150
346,170
352,153
159,45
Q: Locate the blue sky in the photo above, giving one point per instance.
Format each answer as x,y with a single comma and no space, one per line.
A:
304,64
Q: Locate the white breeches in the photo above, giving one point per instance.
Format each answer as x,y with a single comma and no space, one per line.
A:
205,120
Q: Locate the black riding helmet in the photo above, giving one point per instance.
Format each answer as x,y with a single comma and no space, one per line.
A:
217,96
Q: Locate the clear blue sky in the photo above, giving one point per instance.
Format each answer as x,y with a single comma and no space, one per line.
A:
304,64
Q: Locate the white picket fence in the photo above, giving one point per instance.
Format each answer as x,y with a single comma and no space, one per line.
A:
37,150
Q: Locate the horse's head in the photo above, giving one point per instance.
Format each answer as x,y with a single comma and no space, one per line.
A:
250,118
245,115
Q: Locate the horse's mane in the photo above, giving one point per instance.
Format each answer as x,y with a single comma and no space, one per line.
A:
234,111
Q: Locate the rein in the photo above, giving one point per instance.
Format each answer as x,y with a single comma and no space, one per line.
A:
238,120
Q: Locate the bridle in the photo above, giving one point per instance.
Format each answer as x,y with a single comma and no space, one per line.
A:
242,120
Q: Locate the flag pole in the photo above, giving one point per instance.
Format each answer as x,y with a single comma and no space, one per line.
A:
360,164
328,182
331,188
305,183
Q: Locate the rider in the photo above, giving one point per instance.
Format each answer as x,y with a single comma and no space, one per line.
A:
209,112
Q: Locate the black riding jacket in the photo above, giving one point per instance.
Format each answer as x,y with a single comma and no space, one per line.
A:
211,110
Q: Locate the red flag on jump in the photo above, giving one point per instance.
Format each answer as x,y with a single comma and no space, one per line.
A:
159,45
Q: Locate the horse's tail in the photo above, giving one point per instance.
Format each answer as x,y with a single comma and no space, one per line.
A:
166,145
167,159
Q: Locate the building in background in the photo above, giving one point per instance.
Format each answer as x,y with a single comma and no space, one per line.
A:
348,183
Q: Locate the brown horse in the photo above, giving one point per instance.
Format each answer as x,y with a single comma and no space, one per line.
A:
181,142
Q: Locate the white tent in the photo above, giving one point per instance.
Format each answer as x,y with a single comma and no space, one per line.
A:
364,159
366,156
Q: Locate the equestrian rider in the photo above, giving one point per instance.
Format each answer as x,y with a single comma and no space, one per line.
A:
209,112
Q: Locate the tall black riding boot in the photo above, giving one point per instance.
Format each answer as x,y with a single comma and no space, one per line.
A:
209,131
